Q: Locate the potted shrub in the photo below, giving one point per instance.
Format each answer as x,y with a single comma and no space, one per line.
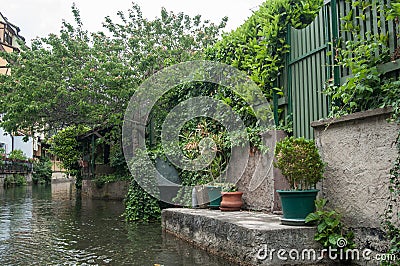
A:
301,164
231,198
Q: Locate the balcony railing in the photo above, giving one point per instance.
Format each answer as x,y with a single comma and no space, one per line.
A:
8,166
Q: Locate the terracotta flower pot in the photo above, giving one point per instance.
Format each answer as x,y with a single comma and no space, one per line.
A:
231,201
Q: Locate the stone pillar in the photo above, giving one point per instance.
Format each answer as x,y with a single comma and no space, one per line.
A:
261,179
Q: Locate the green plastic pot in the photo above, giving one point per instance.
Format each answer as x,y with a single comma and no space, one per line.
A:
296,205
214,196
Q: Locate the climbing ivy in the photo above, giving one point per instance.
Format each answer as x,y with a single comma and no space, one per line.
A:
392,214
391,222
140,206
366,87
258,47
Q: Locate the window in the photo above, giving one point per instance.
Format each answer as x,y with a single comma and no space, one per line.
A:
7,38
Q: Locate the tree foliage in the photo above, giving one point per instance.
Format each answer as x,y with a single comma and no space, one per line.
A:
69,79
65,146
80,78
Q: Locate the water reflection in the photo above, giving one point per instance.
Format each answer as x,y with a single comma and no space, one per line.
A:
51,226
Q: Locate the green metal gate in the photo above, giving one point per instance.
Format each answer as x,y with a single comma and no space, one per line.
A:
308,70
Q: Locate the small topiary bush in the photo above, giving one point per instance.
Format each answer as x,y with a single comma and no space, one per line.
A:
300,162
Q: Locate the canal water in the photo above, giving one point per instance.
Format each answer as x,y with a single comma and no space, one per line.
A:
51,225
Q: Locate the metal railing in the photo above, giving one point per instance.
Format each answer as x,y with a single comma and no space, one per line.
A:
8,166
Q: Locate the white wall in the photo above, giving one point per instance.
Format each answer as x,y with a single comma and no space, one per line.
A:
19,144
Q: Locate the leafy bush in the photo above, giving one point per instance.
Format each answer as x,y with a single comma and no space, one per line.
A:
19,180
329,227
300,162
42,171
259,46
17,155
66,147
14,180
364,89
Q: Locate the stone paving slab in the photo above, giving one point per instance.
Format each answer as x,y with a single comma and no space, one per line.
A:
247,219
249,238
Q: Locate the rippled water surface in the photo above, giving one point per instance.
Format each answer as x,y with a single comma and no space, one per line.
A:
52,226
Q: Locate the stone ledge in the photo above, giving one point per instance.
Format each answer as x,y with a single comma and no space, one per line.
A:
239,236
356,116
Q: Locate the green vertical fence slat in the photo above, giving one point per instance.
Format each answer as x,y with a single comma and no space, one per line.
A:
307,37
375,21
313,80
289,73
296,98
372,18
310,106
317,67
367,21
302,73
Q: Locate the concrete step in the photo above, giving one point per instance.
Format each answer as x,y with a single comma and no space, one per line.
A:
252,238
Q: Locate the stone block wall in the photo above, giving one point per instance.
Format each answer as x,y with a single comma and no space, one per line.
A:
28,177
359,150
112,191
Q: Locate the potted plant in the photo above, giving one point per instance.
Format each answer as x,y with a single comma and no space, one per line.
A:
302,166
231,198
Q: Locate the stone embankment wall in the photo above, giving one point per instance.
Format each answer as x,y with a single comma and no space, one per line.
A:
112,191
246,238
359,150
28,177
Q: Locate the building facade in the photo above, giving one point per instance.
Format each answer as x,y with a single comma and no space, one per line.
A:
10,40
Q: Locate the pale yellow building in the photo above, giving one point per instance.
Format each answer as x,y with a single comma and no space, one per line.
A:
9,40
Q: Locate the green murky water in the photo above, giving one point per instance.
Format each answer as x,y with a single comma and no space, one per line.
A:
52,226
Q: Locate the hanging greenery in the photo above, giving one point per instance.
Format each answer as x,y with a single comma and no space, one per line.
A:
258,47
